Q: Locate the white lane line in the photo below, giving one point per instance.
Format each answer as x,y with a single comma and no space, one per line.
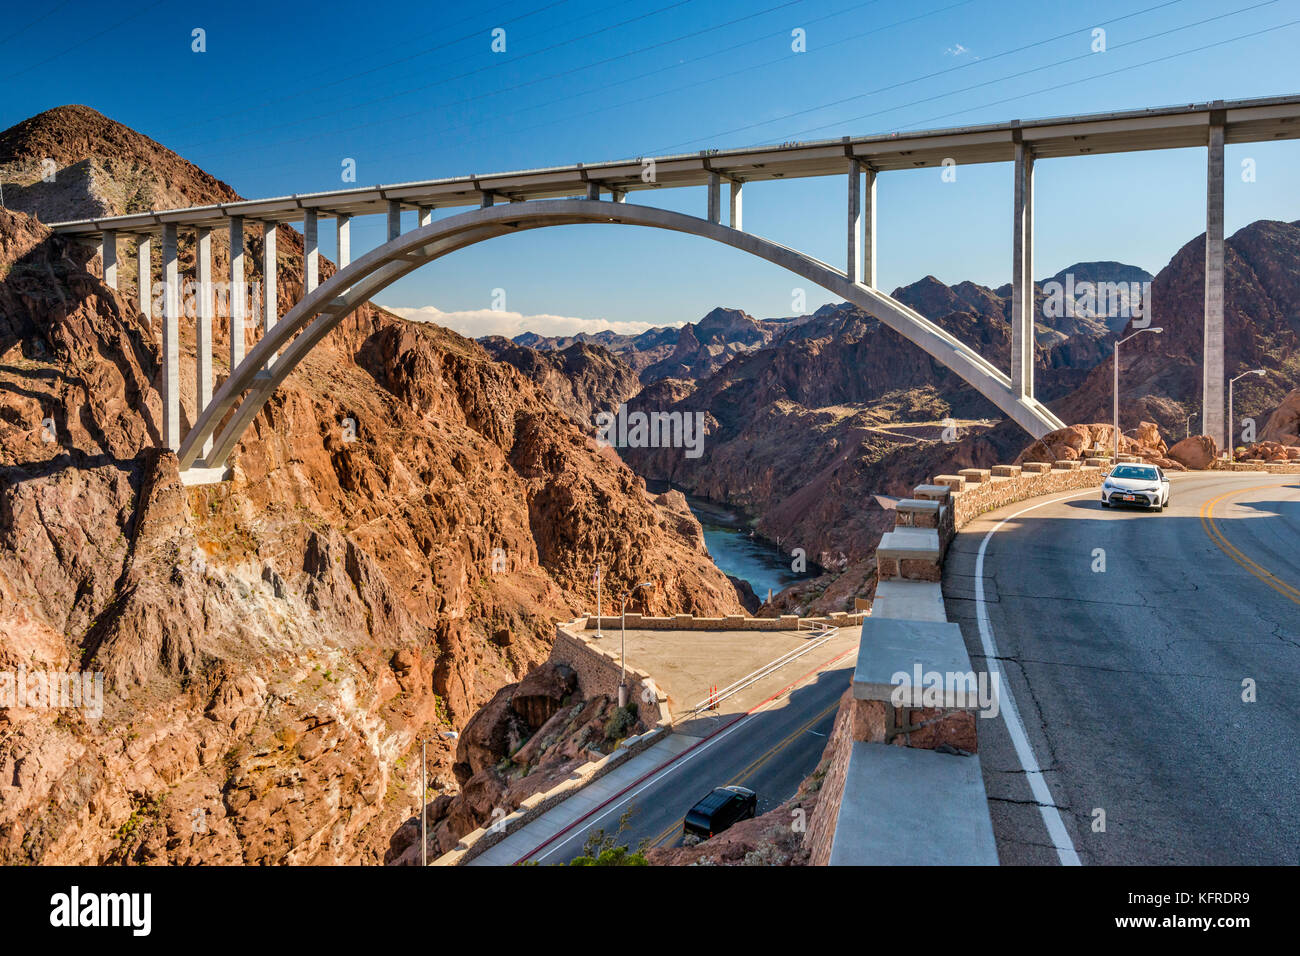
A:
1011,714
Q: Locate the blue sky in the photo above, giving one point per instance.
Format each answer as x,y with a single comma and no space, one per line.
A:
284,93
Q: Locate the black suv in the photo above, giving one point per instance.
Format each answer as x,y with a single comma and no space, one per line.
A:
719,810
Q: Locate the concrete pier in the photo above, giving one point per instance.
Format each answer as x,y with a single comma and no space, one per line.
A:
394,220
737,208
311,251
108,255
203,329
170,385
869,227
270,305
344,226
144,282
424,215
854,220
1212,371
715,198
1022,274
238,292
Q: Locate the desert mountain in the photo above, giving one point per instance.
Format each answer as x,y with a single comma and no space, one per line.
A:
405,521
1161,377
581,379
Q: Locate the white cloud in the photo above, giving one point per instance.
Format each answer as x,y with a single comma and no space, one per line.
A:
956,50
476,323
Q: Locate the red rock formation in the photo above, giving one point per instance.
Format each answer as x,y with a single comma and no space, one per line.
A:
1195,451
274,647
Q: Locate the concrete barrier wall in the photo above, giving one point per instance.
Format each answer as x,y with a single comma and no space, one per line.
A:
1000,491
913,559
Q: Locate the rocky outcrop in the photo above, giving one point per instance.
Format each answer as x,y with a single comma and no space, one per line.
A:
1283,425
1075,442
1195,451
581,379
405,521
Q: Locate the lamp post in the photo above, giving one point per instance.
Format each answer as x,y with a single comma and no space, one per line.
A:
1157,330
622,671
1187,425
1232,425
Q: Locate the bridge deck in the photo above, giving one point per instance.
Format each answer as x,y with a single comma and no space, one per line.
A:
1175,127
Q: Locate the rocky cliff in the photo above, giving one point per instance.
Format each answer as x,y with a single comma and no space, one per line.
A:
406,519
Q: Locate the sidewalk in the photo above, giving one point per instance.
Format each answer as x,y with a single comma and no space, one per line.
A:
593,795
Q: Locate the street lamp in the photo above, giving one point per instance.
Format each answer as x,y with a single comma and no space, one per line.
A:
622,671
1187,425
1232,425
1157,330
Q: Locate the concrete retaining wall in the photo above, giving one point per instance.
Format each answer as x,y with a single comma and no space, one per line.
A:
472,844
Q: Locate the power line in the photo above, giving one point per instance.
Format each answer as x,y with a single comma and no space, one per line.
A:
96,36
1037,69
622,56
918,79
54,9
461,76
315,88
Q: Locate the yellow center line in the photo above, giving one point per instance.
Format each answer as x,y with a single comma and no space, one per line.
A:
1216,535
749,771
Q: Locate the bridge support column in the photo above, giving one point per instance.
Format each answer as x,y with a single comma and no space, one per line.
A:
488,200
737,205
425,215
715,197
171,391
1022,275
270,306
144,284
593,190
869,226
618,195
310,251
203,330
108,255
1212,372
344,226
854,220
238,293
394,220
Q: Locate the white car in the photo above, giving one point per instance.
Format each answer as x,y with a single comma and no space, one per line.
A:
1143,486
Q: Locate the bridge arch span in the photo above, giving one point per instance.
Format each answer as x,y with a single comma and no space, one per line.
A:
252,383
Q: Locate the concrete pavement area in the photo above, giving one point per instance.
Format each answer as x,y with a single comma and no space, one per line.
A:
687,664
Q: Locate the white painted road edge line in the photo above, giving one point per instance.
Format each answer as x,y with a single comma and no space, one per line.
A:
1010,713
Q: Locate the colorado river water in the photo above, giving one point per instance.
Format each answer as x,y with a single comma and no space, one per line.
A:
727,536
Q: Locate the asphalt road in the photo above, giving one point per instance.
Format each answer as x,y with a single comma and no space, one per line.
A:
1129,681
770,750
